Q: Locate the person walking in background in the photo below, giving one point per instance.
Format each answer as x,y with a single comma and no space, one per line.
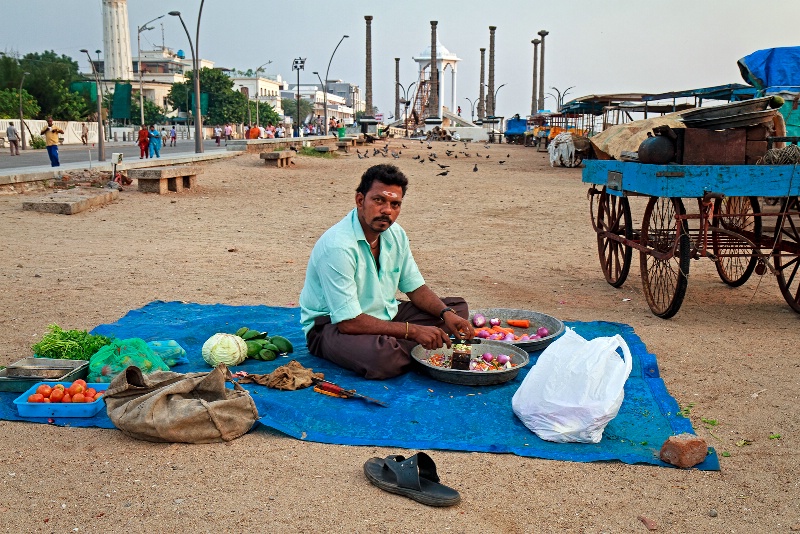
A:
155,141
84,133
13,138
228,133
143,142
164,137
50,134
217,134
173,136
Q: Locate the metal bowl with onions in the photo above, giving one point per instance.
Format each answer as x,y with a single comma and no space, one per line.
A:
555,327
519,359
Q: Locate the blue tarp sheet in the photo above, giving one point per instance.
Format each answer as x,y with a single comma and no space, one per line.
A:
422,413
772,68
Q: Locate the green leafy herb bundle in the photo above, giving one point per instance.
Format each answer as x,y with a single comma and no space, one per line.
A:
69,344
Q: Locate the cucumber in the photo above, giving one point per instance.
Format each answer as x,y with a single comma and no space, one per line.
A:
241,331
253,348
283,344
253,334
267,355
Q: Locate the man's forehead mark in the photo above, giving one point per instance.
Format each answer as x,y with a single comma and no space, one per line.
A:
389,194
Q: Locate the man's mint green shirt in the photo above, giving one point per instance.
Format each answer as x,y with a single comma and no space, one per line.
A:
343,281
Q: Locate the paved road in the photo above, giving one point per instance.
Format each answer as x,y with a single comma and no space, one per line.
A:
85,154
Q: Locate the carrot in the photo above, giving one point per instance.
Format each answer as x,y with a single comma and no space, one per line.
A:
519,323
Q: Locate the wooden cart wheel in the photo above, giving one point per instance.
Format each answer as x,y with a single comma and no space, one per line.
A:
786,252
664,280
614,217
736,259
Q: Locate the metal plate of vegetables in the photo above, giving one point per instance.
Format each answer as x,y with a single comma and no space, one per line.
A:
486,363
528,330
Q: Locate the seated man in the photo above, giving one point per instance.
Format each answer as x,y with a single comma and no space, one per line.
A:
348,307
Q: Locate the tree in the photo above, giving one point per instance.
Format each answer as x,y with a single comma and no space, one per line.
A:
48,82
266,113
9,104
153,113
289,106
224,104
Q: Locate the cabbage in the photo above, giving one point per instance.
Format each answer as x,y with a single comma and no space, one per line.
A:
224,348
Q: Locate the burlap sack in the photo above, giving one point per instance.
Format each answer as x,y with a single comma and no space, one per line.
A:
179,408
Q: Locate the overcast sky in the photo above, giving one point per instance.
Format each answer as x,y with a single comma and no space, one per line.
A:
593,46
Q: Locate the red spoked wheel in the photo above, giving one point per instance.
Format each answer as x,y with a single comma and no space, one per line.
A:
735,258
786,252
614,218
664,279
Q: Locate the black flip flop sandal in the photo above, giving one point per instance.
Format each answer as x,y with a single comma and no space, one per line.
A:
415,478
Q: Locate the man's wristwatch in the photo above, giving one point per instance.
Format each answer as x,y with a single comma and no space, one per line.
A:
448,309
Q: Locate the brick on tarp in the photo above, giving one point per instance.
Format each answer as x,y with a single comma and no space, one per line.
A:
714,147
684,450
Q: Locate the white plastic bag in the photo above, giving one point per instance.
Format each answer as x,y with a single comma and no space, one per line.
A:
575,388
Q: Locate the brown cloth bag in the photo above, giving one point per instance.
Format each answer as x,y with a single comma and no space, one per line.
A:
180,408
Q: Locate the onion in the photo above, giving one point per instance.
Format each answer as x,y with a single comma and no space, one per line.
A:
525,337
478,320
542,331
509,337
494,321
503,359
488,357
495,337
484,334
473,364
535,337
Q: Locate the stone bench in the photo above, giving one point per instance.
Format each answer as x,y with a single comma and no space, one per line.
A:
162,179
322,148
344,145
360,141
277,159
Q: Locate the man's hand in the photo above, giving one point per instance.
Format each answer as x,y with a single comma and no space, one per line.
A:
430,337
458,326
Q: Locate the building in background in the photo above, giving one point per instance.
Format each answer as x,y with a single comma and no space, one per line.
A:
264,89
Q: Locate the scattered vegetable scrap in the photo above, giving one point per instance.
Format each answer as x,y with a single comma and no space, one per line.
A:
495,332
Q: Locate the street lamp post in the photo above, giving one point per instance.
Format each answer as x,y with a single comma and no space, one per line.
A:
406,103
139,31
21,116
323,96
258,92
472,108
101,148
325,88
298,65
198,118
495,97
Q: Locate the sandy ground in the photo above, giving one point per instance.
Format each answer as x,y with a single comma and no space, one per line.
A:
516,235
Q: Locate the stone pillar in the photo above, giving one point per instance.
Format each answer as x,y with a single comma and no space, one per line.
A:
116,41
490,96
433,95
534,100
542,34
368,81
482,97
396,88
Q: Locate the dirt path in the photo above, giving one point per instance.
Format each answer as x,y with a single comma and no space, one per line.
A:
515,235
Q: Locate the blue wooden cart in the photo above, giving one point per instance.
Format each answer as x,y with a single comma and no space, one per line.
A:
729,226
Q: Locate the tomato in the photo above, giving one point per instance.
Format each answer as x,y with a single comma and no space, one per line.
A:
81,382
66,398
99,394
36,397
59,386
46,400
91,392
78,397
44,390
76,388
57,394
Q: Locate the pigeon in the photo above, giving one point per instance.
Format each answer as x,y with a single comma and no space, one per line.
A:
433,155
501,161
475,168
443,173
486,146
467,155
448,152
404,146
477,154
456,156
487,156
395,155
359,155
431,159
442,166
508,155
422,161
416,157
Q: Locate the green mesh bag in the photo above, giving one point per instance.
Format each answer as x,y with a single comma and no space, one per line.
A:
114,358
